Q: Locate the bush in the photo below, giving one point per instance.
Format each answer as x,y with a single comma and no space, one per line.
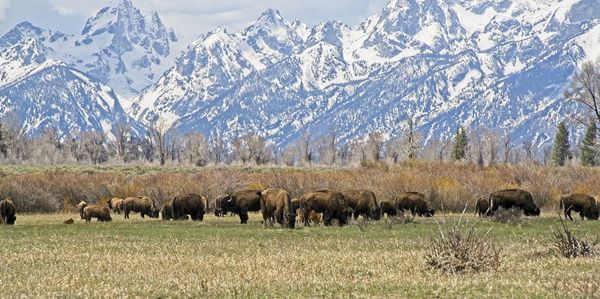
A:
459,248
510,216
569,246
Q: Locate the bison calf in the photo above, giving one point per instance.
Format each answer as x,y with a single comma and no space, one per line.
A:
584,204
116,205
8,212
95,211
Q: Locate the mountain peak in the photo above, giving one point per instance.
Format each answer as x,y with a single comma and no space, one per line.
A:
271,15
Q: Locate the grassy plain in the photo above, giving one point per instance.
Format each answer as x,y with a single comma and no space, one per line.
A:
41,257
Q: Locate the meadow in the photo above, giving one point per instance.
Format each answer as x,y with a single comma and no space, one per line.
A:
42,257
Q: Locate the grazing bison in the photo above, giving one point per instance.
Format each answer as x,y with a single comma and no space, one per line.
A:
95,211
191,204
143,205
116,205
8,212
82,204
582,203
482,207
240,202
218,203
363,203
167,212
516,198
276,205
415,203
330,203
389,207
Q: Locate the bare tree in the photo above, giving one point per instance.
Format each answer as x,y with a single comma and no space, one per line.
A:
412,139
375,141
528,150
508,146
585,88
217,148
491,144
195,148
306,149
158,133
93,145
123,134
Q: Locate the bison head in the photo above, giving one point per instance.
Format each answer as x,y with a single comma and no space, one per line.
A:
11,220
376,213
154,213
535,211
592,213
166,214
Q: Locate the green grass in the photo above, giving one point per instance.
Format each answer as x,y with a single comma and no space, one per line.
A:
41,257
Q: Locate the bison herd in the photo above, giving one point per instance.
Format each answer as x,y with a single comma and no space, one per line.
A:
320,206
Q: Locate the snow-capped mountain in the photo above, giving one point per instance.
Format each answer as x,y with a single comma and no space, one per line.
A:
42,93
495,64
478,63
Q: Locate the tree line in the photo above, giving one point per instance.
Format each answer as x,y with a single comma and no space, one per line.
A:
163,146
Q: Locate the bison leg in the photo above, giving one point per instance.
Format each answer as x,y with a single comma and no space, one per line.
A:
244,216
568,213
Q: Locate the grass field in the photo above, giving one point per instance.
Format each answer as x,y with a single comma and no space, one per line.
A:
41,257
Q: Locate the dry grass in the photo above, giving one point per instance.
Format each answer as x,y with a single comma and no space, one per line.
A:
41,257
448,186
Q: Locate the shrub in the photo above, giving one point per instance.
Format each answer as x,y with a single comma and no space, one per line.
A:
510,216
566,244
459,248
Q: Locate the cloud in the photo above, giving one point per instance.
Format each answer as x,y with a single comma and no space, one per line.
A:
4,6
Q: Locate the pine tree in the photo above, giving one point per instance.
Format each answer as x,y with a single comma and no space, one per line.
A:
461,143
588,146
562,148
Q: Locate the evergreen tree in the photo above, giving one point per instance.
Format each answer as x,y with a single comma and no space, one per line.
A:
562,148
588,146
3,148
461,144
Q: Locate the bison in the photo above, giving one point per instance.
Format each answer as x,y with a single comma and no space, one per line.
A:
276,205
240,202
191,204
218,203
8,212
82,204
415,203
167,212
330,203
482,207
95,211
116,205
516,198
363,203
143,205
313,217
389,207
582,203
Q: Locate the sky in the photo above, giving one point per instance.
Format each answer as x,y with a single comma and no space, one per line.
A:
189,18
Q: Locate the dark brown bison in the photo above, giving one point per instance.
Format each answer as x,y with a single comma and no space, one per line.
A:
389,207
95,211
330,203
514,198
239,202
167,212
363,203
8,212
584,204
218,203
82,204
482,207
116,205
415,203
191,204
143,205
276,205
